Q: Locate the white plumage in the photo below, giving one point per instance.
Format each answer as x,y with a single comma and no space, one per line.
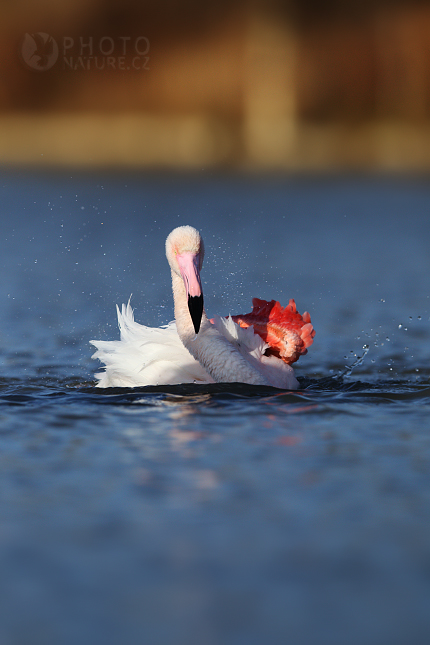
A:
146,356
192,349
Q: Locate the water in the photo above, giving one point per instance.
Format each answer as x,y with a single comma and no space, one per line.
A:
214,514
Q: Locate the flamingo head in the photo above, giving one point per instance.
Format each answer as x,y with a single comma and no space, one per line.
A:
185,252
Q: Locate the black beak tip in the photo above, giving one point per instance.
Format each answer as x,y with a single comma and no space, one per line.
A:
195,307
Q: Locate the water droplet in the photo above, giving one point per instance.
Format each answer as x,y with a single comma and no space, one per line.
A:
388,339
419,317
400,326
382,300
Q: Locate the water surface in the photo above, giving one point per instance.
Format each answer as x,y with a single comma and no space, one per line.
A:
215,514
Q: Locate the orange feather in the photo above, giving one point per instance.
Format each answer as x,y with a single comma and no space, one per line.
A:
287,333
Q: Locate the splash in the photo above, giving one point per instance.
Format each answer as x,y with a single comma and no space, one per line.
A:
359,361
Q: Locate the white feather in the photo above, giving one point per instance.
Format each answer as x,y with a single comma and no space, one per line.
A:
156,355
146,356
252,347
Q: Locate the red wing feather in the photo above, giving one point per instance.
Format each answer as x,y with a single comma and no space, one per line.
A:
287,333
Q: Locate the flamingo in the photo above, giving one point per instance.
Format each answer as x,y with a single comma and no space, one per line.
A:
256,348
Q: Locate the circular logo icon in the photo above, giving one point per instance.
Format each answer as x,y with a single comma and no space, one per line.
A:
39,51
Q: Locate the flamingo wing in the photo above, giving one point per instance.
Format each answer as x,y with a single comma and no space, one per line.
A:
287,333
146,356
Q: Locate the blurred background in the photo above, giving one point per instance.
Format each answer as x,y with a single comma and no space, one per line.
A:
238,84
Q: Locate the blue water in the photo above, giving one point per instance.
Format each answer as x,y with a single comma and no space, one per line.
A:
215,514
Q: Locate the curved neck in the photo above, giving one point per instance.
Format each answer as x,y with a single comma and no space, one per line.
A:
184,324
209,347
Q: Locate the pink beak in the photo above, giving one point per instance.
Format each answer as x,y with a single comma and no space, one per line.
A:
189,266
